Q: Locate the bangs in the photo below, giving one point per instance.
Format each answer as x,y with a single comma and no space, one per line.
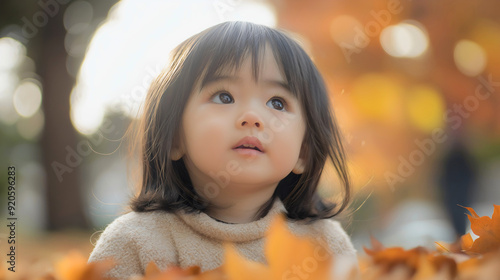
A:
223,49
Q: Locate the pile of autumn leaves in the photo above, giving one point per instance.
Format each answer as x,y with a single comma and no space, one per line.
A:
465,259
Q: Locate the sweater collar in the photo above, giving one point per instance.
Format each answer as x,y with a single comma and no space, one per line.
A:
207,226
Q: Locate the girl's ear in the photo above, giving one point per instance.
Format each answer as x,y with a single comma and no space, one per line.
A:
177,151
300,166
176,154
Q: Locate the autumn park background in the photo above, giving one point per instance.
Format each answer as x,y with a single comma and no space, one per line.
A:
414,85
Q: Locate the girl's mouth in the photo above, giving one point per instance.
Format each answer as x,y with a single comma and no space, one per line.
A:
247,146
249,143
248,151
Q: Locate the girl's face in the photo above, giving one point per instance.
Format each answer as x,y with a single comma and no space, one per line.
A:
235,110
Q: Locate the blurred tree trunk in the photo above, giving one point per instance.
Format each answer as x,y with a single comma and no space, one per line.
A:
63,197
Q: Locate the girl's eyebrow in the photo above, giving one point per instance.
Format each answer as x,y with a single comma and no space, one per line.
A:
271,82
214,79
279,83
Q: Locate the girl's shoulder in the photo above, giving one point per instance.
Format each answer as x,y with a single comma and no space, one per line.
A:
137,223
135,239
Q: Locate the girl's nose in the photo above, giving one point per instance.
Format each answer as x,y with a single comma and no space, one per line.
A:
250,119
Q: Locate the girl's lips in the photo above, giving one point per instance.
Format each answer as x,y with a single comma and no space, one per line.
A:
249,140
248,152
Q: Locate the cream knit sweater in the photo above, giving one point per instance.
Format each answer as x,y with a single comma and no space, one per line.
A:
180,239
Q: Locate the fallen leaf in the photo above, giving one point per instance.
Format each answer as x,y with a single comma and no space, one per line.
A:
288,256
482,267
237,267
152,272
488,230
452,248
75,267
417,262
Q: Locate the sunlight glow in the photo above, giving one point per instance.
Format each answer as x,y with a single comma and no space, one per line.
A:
132,46
87,115
407,39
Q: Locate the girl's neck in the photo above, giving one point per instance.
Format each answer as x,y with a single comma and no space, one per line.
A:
240,210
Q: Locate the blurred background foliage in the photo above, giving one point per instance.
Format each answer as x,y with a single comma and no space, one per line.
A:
414,86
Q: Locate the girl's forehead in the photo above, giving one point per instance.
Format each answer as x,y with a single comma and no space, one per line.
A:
262,64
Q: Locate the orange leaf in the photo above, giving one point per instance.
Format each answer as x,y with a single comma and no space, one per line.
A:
376,245
426,269
74,267
215,274
152,270
289,257
237,267
172,273
466,241
488,230
418,262
481,267
495,224
292,256
442,247
454,248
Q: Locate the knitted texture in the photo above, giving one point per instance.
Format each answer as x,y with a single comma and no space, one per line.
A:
181,239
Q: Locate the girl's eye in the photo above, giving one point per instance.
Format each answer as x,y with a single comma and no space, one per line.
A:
222,98
277,103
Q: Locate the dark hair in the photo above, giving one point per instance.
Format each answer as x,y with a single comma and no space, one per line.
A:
166,184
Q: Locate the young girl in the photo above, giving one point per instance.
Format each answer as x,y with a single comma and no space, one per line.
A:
235,132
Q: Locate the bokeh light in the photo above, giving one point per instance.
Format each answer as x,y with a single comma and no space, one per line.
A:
405,39
27,98
469,57
377,97
12,53
425,108
8,82
78,16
